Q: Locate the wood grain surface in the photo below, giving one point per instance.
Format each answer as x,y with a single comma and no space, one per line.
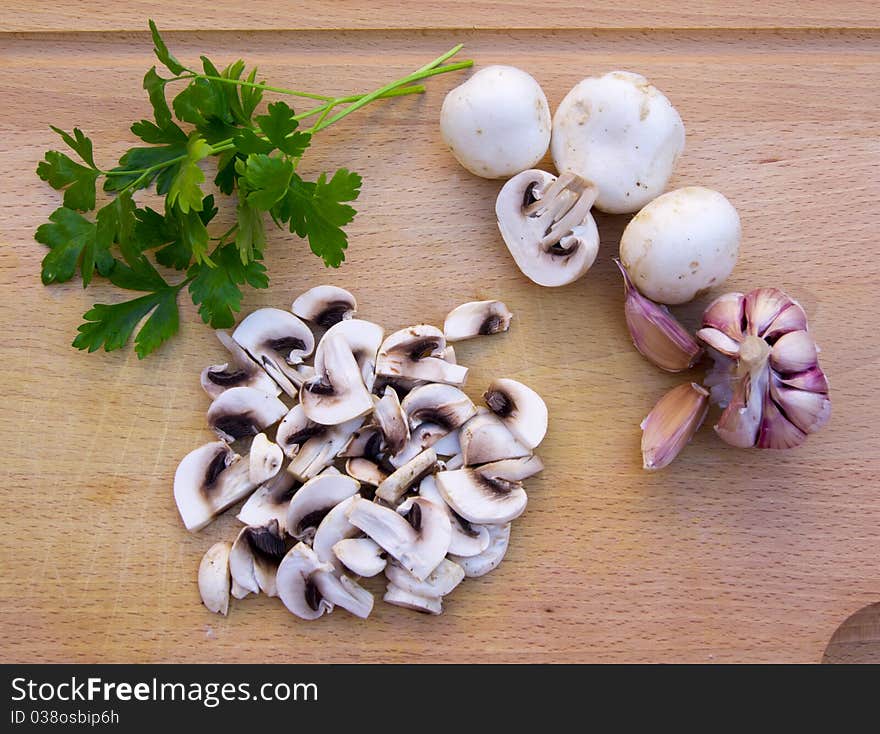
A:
728,555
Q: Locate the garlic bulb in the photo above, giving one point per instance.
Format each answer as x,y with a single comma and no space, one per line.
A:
766,374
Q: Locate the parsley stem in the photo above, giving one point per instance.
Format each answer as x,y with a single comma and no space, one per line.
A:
265,87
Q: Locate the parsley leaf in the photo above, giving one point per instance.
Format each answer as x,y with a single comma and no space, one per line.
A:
68,234
79,143
216,290
136,160
264,180
77,181
250,238
163,54
185,191
176,234
279,126
315,210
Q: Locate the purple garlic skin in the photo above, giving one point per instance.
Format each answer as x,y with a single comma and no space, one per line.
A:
766,374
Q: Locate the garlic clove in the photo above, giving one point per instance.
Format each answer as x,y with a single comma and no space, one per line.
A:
672,423
776,431
809,411
719,341
762,306
741,420
725,314
794,352
789,319
655,332
813,380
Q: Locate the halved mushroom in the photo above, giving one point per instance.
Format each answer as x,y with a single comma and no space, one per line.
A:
365,471
270,502
239,371
264,459
491,494
361,556
278,341
443,405
295,429
400,598
421,437
391,420
314,500
254,559
207,481
214,578
485,438
467,539
520,408
407,476
480,565
547,226
363,338
419,541
241,412
319,451
417,353
440,582
309,589
477,318
337,393
325,305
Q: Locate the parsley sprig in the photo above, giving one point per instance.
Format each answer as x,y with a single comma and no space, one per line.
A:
214,115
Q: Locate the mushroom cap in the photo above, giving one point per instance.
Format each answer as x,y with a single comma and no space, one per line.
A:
278,341
481,564
362,556
622,133
520,408
319,452
314,500
407,476
391,420
243,411
207,481
418,353
467,539
485,438
337,394
681,244
497,123
296,583
270,502
363,338
476,318
264,459
325,305
443,405
254,559
295,429
239,371
480,498
333,528
557,244
214,578
440,582
419,541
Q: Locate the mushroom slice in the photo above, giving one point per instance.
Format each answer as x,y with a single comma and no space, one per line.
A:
449,444
547,226
481,564
318,452
485,438
270,502
422,437
337,393
400,598
361,556
410,474
214,578
207,481
401,385
467,539
417,353
419,541
520,408
512,470
477,318
295,429
484,495
278,341
363,338
365,471
297,583
444,405
454,462
240,412
333,528
314,500
346,593
391,420
365,442
264,459
254,559
325,305
440,582
240,371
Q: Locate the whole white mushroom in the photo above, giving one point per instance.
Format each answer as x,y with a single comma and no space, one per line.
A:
620,132
681,244
497,123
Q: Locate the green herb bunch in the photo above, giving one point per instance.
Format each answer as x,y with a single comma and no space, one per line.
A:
214,115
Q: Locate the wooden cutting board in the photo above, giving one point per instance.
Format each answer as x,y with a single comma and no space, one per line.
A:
728,555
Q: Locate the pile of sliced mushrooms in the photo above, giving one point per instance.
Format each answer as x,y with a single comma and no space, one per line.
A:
370,459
